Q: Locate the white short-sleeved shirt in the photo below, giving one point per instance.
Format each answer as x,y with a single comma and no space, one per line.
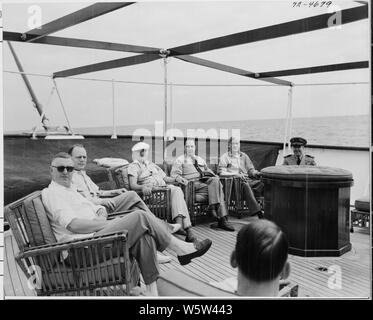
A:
65,204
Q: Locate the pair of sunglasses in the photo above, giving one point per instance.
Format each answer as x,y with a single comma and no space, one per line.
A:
62,168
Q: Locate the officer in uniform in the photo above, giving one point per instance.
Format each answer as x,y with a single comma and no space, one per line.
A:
298,157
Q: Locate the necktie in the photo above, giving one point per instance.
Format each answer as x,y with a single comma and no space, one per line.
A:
197,167
298,161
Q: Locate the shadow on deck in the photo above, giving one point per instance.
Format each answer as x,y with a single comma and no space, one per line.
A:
313,275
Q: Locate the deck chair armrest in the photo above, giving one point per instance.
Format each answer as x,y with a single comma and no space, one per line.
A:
160,189
156,189
107,239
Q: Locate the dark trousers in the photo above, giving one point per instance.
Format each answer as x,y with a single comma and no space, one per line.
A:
211,190
248,195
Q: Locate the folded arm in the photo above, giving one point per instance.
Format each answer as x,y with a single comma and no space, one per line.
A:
111,193
86,226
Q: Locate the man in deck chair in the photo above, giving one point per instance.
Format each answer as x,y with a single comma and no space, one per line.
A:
260,254
144,175
73,216
113,200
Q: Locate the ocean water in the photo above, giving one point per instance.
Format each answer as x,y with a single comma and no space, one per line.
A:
337,131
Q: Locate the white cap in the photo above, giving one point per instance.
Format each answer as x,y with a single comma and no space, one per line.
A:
140,146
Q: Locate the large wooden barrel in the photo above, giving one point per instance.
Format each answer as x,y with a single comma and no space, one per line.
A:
311,204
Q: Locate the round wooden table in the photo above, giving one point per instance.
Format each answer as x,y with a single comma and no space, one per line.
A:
311,204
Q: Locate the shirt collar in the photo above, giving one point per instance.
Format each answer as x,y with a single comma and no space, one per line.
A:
146,162
57,185
231,154
81,172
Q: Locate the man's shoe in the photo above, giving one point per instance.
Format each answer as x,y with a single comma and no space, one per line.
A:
161,258
181,232
201,246
225,225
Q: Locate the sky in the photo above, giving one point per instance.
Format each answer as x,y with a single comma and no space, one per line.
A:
169,24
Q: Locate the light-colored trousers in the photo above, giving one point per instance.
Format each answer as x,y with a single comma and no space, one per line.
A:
146,235
178,205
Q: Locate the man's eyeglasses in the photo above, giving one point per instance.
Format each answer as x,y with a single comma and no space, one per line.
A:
62,168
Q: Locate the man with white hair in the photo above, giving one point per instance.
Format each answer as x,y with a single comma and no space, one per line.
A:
145,175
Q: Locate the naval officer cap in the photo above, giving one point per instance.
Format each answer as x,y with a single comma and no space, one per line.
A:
298,141
140,146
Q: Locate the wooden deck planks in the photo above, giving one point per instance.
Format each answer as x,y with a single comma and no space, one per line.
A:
15,282
215,265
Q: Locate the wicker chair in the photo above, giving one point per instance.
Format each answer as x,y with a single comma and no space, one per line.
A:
199,210
159,202
360,215
98,265
237,204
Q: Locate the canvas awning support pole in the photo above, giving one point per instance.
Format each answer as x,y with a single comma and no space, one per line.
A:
34,99
164,54
63,107
33,135
289,120
114,136
171,107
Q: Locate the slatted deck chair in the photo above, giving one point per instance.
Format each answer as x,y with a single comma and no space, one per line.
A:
199,208
98,265
159,202
237,203
360,215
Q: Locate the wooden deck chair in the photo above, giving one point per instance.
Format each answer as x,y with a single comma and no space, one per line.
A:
360,215
159,202
199,208
237,202
98,265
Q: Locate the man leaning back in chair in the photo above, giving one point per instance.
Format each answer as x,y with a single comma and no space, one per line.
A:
72,217
145,175
112,200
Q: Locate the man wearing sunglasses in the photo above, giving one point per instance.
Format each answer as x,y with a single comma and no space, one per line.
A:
113,200
73,216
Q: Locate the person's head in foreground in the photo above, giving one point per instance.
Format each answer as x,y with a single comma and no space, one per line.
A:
61,169
260,254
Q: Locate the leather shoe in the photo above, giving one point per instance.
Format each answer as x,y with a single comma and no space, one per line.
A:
181,232
223,224
201,246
